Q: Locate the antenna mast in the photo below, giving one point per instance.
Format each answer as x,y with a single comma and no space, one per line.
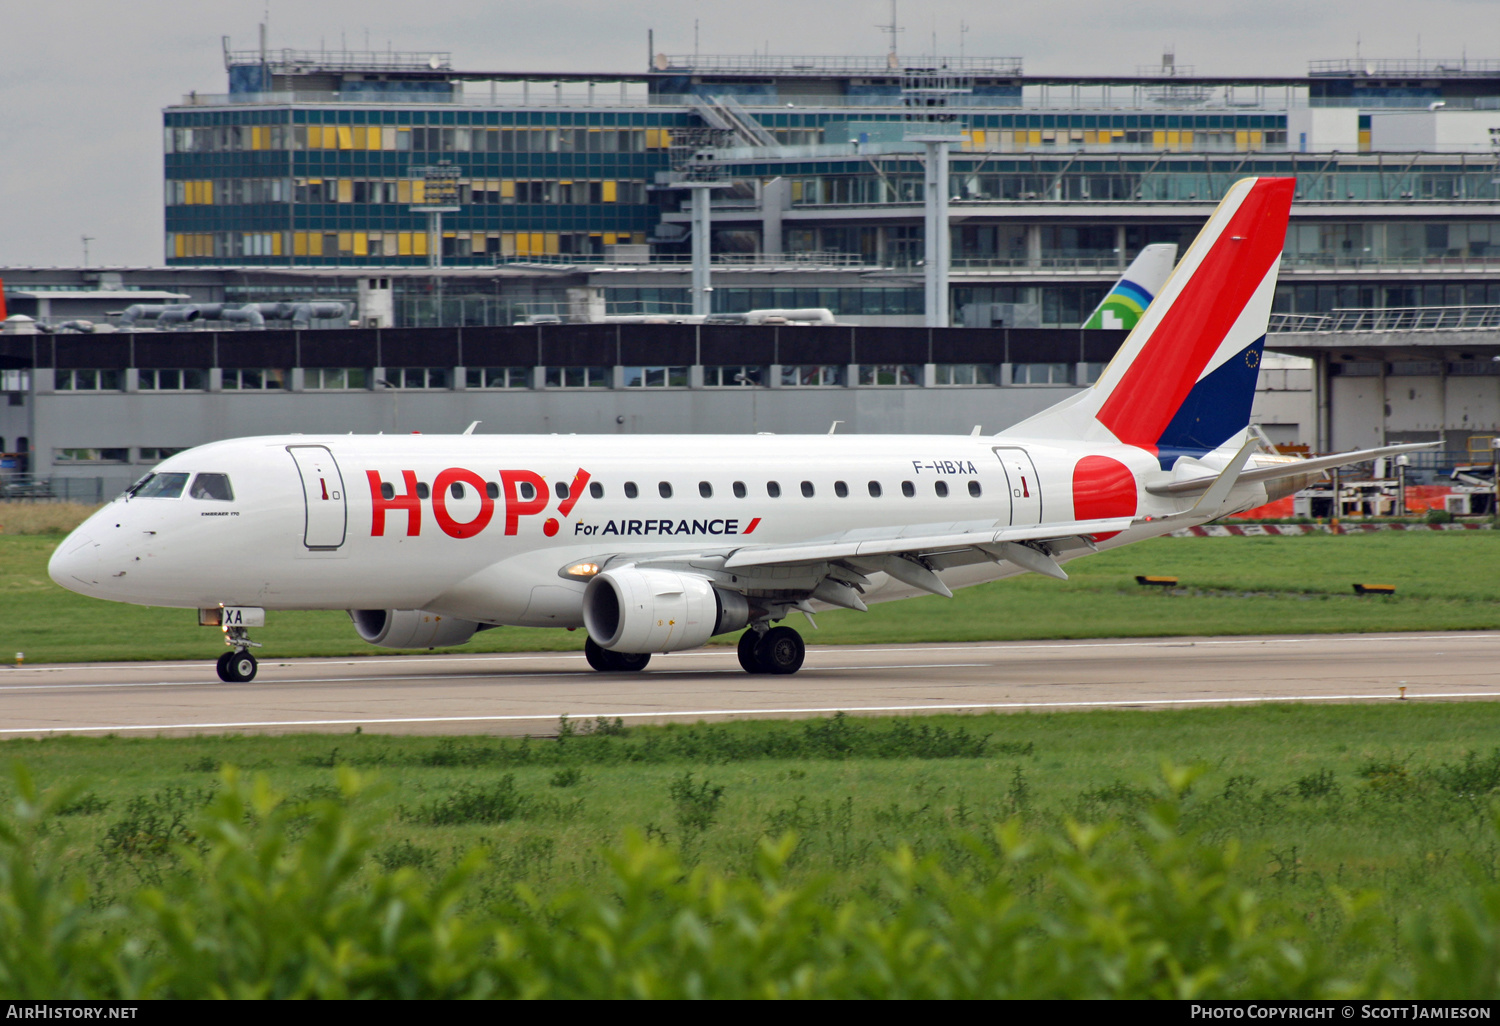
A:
891,30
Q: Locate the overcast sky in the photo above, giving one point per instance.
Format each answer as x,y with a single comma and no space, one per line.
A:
83,82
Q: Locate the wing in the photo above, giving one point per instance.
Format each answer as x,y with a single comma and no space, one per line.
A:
836,568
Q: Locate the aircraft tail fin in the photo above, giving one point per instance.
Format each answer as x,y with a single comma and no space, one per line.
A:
1184,379
1123,306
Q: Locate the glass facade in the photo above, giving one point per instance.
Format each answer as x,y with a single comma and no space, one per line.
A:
1040,191
335,185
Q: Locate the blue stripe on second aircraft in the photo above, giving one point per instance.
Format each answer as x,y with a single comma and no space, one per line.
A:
1134,291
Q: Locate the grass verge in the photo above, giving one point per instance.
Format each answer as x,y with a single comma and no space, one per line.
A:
1314,850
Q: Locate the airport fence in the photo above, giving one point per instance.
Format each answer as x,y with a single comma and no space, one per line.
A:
37,488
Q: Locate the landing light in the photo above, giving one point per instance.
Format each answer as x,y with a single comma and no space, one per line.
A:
582,570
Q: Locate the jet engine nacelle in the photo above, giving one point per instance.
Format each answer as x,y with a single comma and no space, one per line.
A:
411,628
632,610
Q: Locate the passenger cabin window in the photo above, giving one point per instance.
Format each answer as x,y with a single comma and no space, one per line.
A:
840,489
665,489
528,492
160,486
773,489
974,489
456,489
705,489
874,489
212,486
630,490
596,489
490,488
387,490
739,489
908,489
807,489
423,491
561,489
941,487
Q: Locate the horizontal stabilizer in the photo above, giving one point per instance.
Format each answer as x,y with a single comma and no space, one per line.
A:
1295,469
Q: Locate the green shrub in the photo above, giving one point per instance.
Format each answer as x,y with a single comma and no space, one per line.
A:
278,899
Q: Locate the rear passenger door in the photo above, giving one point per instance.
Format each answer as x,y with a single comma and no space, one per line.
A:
1025,488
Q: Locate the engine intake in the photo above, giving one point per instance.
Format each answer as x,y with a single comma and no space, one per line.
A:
411,628
632,610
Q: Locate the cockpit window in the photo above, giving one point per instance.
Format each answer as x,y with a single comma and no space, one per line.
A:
212,486
159,486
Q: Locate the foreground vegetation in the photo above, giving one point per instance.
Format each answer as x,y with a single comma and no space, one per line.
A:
1313,851
1262,585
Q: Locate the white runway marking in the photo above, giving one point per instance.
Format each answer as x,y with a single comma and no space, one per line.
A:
406,678
728,652
964,707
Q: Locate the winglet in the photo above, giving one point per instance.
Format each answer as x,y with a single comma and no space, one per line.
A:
1225,482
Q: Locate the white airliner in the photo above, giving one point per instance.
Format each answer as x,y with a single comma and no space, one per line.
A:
658,543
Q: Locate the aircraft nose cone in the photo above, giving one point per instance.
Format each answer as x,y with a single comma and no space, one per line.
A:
75,563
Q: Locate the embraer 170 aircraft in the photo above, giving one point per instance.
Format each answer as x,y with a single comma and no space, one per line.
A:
658,543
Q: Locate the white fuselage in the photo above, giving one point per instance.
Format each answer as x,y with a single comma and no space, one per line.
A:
359,522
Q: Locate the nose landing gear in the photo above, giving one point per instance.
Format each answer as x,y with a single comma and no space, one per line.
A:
237,666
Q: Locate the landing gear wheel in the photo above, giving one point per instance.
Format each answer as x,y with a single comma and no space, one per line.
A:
605,661
748,641
631,662
598,657
237,667
781,650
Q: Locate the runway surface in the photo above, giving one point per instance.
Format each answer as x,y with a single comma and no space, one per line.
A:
526,693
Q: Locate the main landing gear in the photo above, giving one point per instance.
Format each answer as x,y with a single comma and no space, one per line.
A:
779,650
237,666
605,661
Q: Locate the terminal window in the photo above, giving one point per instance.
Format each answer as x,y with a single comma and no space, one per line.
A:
965,374
735,377
416,377
161,380
88,381
335,379
577,377
890,374
254,379
656,377
1042,374
497,377
90,455
810,375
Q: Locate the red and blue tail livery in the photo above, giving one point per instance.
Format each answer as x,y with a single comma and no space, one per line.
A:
1183,382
